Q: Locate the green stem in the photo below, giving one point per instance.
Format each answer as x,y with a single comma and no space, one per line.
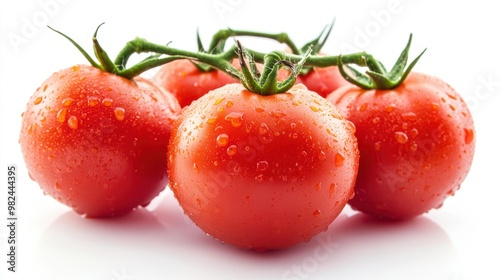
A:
221,37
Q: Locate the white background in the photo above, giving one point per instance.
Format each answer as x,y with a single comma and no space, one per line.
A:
458,241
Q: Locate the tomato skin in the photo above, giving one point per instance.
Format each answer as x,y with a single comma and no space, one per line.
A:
323,80
262,172
416,145
97,142
187,83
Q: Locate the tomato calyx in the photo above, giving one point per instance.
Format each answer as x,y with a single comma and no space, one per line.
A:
377,77
266,83
119,66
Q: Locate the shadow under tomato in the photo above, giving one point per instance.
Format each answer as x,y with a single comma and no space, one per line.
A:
73,247
160,242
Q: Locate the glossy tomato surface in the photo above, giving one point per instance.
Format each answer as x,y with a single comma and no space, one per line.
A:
416,145
97,142
262,172
323,80
187,83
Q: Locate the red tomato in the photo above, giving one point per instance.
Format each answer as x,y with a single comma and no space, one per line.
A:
96,141
187,83
416,145
262,172
323,80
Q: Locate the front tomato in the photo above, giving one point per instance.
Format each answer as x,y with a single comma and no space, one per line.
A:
262,172
96,141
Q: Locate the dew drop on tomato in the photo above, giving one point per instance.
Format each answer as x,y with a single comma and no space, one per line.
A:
92,101
339,160
73,122
236,119
469,135
401,137
232,150
107,102
262,165
222,140
38,100
119,113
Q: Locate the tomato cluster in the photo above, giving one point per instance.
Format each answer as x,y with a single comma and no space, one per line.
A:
259,156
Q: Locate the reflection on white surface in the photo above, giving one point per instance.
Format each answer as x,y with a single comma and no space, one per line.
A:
162,244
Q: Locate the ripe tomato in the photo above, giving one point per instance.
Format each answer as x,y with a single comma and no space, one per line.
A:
187,83
262,172
96,141
323,80
416,145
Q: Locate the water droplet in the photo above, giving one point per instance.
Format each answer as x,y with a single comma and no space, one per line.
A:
218,101
376,120
317,213
410,116
38,100
119,113
259,178
277,114
314,109
413,132
263,129
469,135
211,120
73,122
401,137
262,165
67,101
363,107
107,102
332,188
222,140
414,147
235,118
232,150
57,186
339,160
92,101
350,126
321,155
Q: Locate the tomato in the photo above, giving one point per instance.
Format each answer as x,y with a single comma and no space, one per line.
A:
262,172
96,141
323,80
416,145
187,83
